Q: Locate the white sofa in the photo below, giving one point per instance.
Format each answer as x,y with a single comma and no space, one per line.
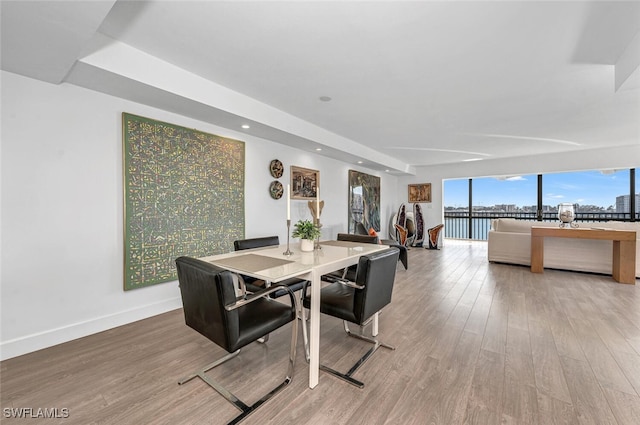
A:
509,241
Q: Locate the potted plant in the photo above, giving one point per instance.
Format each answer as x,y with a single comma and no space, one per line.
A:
307,231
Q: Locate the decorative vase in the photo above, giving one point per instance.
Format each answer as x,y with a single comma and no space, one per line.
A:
566,215
306,245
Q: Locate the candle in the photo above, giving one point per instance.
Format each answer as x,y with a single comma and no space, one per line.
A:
288,204
318,203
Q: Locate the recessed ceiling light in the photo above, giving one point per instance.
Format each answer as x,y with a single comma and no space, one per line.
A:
246,126
318,149
325,98
359,162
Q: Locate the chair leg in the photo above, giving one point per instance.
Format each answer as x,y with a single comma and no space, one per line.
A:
305,337
365,338
208,367
346,376
265,338
230,397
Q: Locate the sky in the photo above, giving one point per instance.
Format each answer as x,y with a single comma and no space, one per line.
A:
584,187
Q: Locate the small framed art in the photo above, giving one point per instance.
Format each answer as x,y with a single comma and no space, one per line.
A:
305,183
420,192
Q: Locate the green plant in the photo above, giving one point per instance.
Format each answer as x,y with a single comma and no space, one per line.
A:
305,229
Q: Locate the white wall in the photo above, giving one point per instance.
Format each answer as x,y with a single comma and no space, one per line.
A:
62,211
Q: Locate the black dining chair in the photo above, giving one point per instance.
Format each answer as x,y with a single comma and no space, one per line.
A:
252,284
349,273
357,302
212,309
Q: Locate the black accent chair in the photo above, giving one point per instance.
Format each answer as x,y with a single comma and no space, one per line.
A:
357,302
253,284
357,238
212,309
349,273
404,258
359,229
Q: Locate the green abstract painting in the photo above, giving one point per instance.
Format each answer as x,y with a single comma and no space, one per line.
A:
183,195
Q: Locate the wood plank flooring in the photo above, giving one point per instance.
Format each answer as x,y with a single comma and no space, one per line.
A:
476,343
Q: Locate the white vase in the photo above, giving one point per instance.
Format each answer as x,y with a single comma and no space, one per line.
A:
306,245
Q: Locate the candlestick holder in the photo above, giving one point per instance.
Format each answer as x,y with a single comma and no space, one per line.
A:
288,251
316,242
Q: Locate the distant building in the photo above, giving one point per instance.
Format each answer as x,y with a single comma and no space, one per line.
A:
623,203
506,207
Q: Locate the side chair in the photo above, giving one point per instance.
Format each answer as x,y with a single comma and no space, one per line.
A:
357,302
212,309
349,273
254,285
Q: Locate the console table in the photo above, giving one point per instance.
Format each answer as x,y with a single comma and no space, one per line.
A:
624,248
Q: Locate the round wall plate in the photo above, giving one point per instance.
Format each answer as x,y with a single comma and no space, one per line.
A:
276,168
276,190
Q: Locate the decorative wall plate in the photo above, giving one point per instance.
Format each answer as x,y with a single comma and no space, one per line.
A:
276,168
276,190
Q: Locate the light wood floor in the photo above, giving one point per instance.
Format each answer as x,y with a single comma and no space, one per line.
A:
477,343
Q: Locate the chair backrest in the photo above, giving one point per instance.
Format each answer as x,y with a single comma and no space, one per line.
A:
360,229
377,272
241,244
357,238
205,290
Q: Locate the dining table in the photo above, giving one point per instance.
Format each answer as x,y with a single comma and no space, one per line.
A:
278,263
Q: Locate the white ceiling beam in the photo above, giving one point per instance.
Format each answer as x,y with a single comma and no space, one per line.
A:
198,97
42,39
628,64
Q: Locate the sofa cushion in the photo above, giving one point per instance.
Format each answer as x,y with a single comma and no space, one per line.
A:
524,226
617,225
518,226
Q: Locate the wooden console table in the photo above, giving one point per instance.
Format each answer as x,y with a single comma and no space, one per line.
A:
624,248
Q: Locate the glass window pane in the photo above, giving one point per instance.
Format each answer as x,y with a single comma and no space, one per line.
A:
456,194
456,208
493,197
516,195
596,195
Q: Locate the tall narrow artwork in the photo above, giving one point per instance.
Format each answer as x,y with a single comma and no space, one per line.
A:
364,202
183,195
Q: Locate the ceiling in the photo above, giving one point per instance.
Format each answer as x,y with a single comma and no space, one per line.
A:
411,84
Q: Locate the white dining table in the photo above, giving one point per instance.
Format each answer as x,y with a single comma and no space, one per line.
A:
272,265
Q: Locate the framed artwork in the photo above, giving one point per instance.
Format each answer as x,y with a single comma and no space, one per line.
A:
364,202
305,183
183,195
420,192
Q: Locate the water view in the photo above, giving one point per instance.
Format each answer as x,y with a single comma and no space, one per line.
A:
597,196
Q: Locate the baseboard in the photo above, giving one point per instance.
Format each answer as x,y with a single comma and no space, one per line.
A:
38,341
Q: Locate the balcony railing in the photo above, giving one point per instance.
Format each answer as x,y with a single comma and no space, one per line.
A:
456,223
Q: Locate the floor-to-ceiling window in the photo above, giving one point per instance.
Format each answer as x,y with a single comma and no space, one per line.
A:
514,196
456,206
471,204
